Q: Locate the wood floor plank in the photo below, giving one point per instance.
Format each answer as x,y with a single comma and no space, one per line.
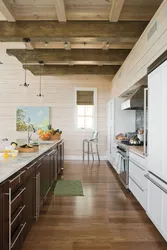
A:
107,217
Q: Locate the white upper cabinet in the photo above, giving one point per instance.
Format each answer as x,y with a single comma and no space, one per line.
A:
157,121
164,123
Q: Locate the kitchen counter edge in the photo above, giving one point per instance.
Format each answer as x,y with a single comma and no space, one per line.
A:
7,171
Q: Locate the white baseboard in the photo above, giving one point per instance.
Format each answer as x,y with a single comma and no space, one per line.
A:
79,157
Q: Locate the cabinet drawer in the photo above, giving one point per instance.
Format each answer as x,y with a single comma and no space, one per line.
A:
17,218
138,159
16,181
16,238
154,203
138,172
137,191
17,199
30,169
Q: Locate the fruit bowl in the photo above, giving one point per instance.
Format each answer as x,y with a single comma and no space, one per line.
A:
45,138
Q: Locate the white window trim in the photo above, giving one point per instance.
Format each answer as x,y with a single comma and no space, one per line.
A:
95,109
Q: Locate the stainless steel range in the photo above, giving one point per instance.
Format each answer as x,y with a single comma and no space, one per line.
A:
123,164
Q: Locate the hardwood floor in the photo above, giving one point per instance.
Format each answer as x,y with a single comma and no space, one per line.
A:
107,217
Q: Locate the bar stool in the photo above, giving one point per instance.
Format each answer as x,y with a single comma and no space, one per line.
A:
90,143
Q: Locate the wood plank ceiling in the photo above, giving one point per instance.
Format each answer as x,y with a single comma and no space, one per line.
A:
74,36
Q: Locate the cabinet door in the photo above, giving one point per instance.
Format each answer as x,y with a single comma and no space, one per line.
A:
154,203
59,159
1,218
155,120
29,202
164,121
62,155
51,168
164,215
44,176
55,164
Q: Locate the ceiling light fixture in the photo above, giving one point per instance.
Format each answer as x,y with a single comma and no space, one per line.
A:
46,44
41,63
26,41
67,45
106,46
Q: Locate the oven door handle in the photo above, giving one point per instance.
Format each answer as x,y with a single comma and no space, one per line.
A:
123,157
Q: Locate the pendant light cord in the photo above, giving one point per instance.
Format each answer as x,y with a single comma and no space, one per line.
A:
25,64
40,81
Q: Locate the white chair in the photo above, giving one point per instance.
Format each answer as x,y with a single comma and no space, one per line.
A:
90,143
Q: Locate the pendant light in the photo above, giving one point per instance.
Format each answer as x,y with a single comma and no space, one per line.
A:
41,63
26,40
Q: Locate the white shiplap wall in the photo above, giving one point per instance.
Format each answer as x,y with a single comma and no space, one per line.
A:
58,94
143,54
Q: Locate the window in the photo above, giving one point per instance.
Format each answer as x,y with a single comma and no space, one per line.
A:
85,102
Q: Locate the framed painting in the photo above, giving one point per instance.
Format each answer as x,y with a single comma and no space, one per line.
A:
39,117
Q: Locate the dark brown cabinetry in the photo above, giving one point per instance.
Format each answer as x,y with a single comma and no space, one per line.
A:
1,218
22,195
60,157
30,196
14,223
45,176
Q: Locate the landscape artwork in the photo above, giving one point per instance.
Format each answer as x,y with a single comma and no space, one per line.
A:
39,117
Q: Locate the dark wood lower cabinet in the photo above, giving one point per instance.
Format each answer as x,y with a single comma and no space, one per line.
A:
60,157
1,218
45,172
29,201
22,195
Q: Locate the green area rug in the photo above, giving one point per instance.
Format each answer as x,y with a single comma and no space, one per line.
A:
68,188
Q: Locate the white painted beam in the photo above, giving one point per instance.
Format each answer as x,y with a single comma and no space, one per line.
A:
115,11
60,10
6,11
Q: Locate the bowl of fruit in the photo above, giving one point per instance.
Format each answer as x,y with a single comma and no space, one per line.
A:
50,134
44,135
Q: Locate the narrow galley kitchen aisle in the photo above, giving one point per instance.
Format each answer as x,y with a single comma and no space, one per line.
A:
107,216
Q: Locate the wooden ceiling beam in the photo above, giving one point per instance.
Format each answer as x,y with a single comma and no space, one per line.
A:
72,31
115,11
49,70
60,10
77,56
60,45
6,10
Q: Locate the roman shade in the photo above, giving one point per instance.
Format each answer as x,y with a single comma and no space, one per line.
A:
85,97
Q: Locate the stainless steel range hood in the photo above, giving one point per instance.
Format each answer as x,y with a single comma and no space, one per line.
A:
135,101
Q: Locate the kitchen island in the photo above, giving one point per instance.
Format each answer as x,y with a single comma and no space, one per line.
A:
24,186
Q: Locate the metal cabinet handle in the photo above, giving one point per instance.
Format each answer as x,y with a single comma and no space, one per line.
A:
21,210
18,176
145,119
50,153
40,159
156,183
10,217
136,183
32,165
37,196
21,191
22,227
137,164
